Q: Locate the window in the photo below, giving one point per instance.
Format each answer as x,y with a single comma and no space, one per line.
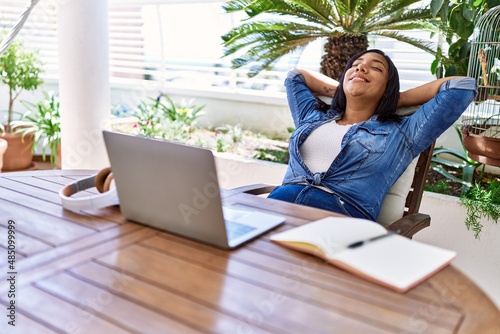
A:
39,31
178,44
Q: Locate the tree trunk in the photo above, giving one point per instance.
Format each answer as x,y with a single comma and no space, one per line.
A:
338,50
11,106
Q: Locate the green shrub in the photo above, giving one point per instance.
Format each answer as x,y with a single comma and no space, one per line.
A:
161,117
481,202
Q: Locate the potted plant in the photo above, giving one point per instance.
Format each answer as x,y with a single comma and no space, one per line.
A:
42,121
460,160
20,69
3,148
480,193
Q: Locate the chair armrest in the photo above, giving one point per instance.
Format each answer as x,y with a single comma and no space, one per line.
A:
255,189
410,224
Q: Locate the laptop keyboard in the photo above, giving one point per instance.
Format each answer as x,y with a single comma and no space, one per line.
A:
235,230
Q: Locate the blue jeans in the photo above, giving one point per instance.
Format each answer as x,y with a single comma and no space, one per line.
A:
312,196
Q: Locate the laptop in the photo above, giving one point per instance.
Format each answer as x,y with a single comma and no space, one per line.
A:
174,187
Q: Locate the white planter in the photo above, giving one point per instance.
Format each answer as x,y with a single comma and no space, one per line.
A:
3,148
478,259
235,171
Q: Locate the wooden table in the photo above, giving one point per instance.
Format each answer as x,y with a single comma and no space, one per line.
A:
95,272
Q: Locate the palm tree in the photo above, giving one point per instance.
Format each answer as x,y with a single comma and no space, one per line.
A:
279,27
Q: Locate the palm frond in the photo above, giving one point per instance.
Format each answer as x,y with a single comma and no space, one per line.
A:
305,17
315,12
267,33
416,42
337,13
316,8
235,5
268,55
366,10
388,8
416,15
346,11
290,11
266,46
280,48
347,7
403,26
251,7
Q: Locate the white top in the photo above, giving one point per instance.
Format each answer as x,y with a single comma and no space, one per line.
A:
322,146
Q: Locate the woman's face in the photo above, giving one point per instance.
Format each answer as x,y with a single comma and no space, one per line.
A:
367,77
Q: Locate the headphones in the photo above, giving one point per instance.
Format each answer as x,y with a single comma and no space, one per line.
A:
105,184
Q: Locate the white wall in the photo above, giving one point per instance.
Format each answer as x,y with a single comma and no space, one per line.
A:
235,171
264,113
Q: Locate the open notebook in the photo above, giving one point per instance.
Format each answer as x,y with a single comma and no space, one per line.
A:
388,259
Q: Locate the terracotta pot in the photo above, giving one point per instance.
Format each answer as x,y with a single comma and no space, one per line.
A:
18,155
3,148
58,158
483,149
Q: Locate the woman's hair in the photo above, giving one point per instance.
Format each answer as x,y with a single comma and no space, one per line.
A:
386,109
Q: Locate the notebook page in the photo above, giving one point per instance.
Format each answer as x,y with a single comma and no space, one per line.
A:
396,260
331,234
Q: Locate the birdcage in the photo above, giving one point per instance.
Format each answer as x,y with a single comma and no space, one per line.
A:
481,120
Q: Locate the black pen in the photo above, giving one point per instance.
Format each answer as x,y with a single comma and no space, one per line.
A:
363,242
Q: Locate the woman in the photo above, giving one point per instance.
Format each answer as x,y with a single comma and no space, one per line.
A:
346,158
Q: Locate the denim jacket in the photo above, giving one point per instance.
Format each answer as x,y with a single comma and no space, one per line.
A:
373,154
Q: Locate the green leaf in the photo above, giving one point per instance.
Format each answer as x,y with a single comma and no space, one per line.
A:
448,163
240,62
462,155
468,13
436,7
445,173
451,71
434,65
